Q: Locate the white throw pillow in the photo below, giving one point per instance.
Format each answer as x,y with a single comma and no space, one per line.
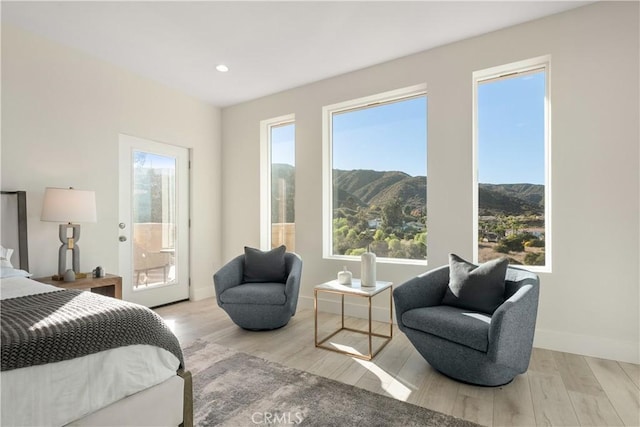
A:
6,253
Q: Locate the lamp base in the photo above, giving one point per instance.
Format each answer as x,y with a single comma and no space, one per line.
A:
68,244
57,277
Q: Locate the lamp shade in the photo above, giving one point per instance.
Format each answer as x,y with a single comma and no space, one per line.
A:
69,205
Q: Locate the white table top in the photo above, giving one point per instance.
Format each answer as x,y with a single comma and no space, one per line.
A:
355,288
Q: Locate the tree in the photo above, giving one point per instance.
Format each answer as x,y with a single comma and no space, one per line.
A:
421,238
394,244
139,158
514,224
513,243
380,248
350,203
392,215
415,250
534,258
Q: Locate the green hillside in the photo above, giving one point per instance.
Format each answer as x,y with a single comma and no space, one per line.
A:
368,188
375,188
511,199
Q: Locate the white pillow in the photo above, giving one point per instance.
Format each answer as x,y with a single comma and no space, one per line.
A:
5,263
6,253
6,272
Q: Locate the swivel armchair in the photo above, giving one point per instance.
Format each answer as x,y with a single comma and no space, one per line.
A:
479,348
255,304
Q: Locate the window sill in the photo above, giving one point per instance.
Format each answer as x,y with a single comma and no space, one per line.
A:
379,260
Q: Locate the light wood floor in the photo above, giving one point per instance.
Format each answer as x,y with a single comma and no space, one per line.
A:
559,388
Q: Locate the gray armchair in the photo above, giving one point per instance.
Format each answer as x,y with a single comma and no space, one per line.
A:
472,347
258,306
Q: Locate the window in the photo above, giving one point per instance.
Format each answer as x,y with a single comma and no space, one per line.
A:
278,183
512,164
375,176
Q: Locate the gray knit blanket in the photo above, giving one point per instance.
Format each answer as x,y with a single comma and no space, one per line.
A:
65,324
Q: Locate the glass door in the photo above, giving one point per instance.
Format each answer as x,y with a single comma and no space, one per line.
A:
154,221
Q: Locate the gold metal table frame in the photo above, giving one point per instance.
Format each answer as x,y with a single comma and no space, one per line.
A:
333,287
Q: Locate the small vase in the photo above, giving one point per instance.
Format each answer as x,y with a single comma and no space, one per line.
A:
344,276
368,269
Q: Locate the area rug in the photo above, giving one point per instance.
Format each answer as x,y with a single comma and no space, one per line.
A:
235,389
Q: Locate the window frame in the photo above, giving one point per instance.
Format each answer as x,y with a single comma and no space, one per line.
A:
327,163
265,174
504,72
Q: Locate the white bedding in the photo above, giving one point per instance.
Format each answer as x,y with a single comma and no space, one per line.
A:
58,393
14,287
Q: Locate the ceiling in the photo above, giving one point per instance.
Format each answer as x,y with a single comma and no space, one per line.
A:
269,46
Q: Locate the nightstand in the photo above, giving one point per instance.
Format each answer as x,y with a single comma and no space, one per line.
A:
109,285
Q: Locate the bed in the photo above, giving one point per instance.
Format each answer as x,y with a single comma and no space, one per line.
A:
77,358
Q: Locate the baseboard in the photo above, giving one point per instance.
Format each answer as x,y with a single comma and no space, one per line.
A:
201,293
588,345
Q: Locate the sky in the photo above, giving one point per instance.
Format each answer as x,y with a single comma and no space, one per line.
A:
511,130
389,137
393,137
283,144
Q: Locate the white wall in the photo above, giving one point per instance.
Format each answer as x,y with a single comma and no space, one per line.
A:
62,112
590,302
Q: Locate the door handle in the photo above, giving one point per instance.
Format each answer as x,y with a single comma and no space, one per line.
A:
122,238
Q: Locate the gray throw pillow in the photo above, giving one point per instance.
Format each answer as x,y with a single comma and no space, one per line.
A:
473,287
261,266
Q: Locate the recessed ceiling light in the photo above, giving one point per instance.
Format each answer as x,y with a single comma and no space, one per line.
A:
222,68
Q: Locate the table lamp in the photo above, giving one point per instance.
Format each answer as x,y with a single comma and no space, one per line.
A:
69,206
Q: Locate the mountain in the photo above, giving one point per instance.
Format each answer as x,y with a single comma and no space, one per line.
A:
362,188
368,187
511,199
412,189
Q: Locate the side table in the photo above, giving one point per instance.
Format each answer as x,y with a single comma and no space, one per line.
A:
110,285
354,289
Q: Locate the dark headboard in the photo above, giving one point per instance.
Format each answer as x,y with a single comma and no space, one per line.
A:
23,245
